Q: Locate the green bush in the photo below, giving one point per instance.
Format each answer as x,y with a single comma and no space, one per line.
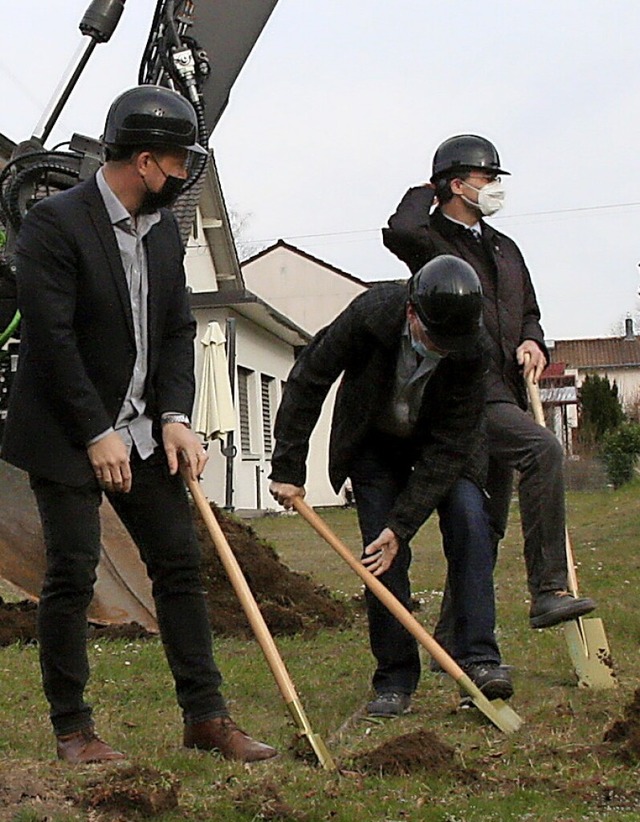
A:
600,408
620,450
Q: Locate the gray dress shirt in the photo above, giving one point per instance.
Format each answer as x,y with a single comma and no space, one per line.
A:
133,424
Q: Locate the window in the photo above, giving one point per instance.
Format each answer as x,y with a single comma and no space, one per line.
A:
267,385
244,375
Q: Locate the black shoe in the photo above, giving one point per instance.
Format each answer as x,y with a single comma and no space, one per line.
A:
494,681
389,704
553,607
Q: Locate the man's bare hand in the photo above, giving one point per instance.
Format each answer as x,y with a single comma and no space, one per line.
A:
530,355
110,462
182,445
283,492
380,553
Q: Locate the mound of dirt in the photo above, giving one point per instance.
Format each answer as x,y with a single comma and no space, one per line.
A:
624,734
289,602
418,751
17,622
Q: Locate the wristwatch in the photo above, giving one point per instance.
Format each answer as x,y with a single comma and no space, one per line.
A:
172,416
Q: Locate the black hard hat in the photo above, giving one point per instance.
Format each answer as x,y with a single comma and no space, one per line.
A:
466,151
152,116
447,297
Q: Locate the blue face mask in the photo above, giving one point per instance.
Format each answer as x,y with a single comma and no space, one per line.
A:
425,353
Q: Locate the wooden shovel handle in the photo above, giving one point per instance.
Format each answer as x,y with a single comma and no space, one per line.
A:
383,594
538,415
243,592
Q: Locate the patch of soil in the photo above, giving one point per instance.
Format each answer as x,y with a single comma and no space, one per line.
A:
129,630
289,602
23,791
145,791
264,801
404,755
624,734
17,622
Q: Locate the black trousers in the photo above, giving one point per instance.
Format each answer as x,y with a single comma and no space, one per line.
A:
156,513
518,443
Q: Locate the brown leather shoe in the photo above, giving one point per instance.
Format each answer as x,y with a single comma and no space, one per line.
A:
84,746
223,735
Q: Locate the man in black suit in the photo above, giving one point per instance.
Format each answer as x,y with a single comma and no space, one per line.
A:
407,430
101,403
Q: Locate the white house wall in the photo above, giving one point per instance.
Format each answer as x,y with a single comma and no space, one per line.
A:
261,354
307,292
199,262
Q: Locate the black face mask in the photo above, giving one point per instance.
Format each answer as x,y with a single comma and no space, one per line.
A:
165,198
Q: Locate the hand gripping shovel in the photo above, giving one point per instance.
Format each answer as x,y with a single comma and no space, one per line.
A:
586,638
259,626
501,714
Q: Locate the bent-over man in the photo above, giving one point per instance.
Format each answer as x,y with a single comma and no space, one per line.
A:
407,430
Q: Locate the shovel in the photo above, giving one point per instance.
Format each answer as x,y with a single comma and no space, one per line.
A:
586,638
258,625
501,714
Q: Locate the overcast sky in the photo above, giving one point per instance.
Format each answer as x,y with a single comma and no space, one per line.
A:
342,103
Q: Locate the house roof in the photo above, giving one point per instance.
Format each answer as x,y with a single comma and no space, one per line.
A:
253,308
601,352
554,369
295,250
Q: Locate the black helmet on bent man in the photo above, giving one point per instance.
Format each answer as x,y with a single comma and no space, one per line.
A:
447,297
152,116
465,151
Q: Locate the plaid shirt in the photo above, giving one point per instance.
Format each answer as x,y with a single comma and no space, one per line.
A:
362,345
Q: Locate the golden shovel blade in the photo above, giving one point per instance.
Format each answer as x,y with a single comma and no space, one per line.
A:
589,651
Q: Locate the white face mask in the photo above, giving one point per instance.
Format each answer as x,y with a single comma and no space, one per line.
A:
490,197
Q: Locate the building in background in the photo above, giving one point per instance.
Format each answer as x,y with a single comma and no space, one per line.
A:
617,358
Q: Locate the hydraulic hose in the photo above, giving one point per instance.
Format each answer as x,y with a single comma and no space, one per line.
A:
9,330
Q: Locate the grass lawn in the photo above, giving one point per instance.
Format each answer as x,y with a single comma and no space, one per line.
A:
554,768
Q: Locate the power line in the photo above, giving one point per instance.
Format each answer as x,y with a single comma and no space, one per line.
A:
579,210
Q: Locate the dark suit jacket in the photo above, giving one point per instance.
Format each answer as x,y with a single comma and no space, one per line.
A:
511,314
363,343
77,347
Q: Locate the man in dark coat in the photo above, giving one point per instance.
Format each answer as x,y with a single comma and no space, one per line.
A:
407,430
101,402
465,179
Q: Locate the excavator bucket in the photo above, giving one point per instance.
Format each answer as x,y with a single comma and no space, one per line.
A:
122,591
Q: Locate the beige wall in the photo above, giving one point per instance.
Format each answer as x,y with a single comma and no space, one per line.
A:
307,292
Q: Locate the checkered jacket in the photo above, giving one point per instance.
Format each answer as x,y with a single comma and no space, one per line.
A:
362,344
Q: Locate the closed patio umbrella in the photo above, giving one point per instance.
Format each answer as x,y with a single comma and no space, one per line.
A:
215,414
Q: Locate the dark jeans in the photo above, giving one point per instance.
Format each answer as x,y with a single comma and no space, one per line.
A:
518,443
157,515
378,476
